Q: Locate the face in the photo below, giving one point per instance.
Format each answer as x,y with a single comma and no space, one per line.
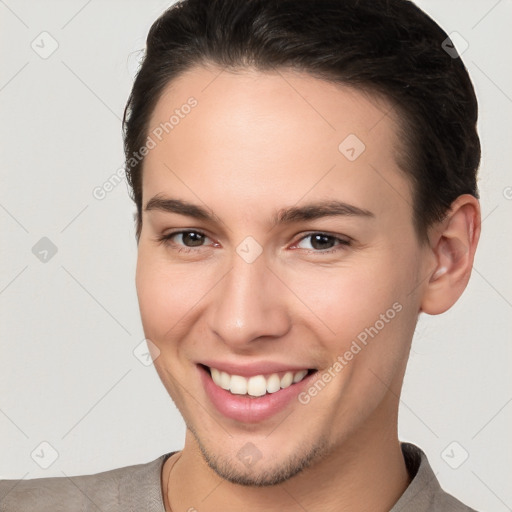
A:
279,274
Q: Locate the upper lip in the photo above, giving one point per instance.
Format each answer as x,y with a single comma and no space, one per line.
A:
254,368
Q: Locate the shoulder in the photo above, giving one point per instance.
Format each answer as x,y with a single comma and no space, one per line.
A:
424,493
122,489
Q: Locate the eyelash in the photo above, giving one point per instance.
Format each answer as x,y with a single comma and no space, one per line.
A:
166,240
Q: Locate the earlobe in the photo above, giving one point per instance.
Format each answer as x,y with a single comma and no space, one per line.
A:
454,247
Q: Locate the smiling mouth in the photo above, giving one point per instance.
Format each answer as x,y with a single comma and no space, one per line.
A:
256,385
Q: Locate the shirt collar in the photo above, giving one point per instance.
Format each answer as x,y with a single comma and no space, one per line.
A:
424,484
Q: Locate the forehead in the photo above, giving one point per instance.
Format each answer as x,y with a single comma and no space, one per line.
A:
276,137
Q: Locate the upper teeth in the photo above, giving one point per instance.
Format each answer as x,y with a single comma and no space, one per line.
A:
257,385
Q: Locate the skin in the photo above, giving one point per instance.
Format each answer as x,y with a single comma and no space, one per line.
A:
258,142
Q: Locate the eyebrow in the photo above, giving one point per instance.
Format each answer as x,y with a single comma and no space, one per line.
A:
310,211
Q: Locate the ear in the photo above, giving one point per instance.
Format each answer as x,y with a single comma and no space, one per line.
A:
453,243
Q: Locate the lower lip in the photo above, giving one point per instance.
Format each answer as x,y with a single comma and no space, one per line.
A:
248,409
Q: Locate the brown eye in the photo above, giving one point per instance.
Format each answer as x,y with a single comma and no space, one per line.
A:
184,239
192,238
321,242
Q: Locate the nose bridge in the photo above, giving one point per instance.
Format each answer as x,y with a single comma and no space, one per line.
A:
247,304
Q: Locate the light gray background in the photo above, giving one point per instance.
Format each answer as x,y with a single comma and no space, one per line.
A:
68,375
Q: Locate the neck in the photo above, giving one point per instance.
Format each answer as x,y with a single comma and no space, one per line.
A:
365,472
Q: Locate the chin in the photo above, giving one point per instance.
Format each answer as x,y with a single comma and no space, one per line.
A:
251,468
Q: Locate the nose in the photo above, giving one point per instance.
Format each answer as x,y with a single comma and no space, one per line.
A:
249,304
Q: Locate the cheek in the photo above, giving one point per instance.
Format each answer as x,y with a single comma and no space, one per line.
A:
166,295
159,291
363,311
348,299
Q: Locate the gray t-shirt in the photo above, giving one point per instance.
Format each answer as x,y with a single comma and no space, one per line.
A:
138,489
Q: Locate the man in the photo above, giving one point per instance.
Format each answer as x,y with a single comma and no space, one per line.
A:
305,181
